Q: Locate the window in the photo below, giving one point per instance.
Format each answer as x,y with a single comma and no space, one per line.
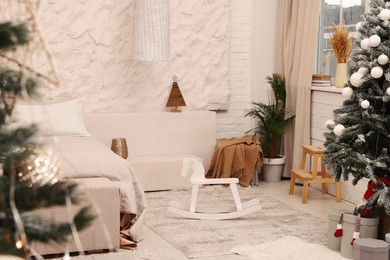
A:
349,12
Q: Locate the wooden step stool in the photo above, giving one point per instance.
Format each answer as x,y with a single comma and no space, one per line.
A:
317,152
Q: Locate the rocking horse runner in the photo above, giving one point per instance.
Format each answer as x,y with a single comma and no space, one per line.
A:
198,178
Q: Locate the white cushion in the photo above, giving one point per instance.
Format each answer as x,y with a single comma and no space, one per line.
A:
61,119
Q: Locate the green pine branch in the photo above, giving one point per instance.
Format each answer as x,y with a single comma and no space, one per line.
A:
41,229
28,199
15,145
45,196
14,81
13,35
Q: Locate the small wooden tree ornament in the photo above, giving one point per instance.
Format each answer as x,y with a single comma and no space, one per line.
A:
175,98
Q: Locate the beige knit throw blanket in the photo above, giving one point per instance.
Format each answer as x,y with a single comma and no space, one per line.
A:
236,157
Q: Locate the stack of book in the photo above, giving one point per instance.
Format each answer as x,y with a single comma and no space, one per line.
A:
319,80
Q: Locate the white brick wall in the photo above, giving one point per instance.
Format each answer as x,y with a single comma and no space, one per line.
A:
232,123
252,58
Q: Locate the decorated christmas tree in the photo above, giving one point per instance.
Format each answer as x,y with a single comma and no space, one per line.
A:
29,173
358,143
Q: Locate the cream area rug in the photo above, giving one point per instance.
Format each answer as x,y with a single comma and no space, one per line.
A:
120,254
292,248
205,238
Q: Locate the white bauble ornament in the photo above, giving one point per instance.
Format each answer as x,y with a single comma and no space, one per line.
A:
338,129
329,122
365,44
358,26
363,71
356,79
374,40
384,14
347,92
383,59
365,104
377,72
388,91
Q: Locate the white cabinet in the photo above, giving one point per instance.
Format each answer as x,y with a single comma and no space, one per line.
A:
323,101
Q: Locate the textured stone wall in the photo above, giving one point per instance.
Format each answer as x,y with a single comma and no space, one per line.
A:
211,53
91,43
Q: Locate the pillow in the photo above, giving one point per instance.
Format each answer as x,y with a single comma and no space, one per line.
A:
62,119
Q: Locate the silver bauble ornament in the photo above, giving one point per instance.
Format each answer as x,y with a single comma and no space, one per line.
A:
383,59
377,72
388,91
374,40
40,168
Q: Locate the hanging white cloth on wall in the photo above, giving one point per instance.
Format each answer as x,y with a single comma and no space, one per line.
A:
151,30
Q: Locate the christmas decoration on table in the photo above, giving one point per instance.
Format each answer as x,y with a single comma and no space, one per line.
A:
358,143
175,98
29,173
342,46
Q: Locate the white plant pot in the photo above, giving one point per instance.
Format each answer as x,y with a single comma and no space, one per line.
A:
272,169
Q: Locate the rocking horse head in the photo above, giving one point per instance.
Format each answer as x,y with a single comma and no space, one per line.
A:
195,165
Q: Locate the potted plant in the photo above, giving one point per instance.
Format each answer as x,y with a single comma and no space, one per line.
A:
272,123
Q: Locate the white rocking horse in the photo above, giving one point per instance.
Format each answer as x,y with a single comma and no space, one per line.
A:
211,213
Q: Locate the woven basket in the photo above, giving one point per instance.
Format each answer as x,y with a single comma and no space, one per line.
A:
384,223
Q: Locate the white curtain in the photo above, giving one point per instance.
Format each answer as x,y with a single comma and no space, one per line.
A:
297,39
151,30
